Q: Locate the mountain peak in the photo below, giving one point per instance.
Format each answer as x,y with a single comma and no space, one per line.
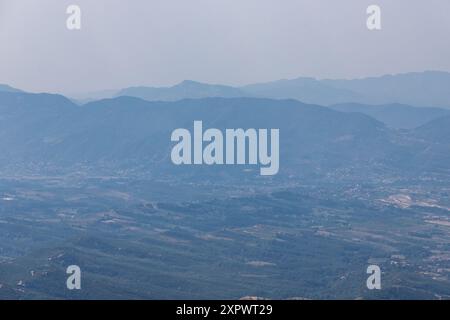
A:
7,88
187,89
190,83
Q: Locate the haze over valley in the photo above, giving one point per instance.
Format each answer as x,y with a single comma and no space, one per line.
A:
364,179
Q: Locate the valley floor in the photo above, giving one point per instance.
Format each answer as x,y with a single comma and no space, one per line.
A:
133,240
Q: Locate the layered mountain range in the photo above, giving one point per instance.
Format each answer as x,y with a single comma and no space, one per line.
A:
46,131
419,89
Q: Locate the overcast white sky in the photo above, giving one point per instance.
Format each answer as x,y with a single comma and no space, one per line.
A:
162,42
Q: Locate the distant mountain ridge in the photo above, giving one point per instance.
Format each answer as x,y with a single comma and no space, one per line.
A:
419,89
7,88
437,131
187,89
396,115
416,89
127,133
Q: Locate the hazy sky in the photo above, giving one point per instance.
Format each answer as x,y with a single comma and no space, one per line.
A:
162,42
